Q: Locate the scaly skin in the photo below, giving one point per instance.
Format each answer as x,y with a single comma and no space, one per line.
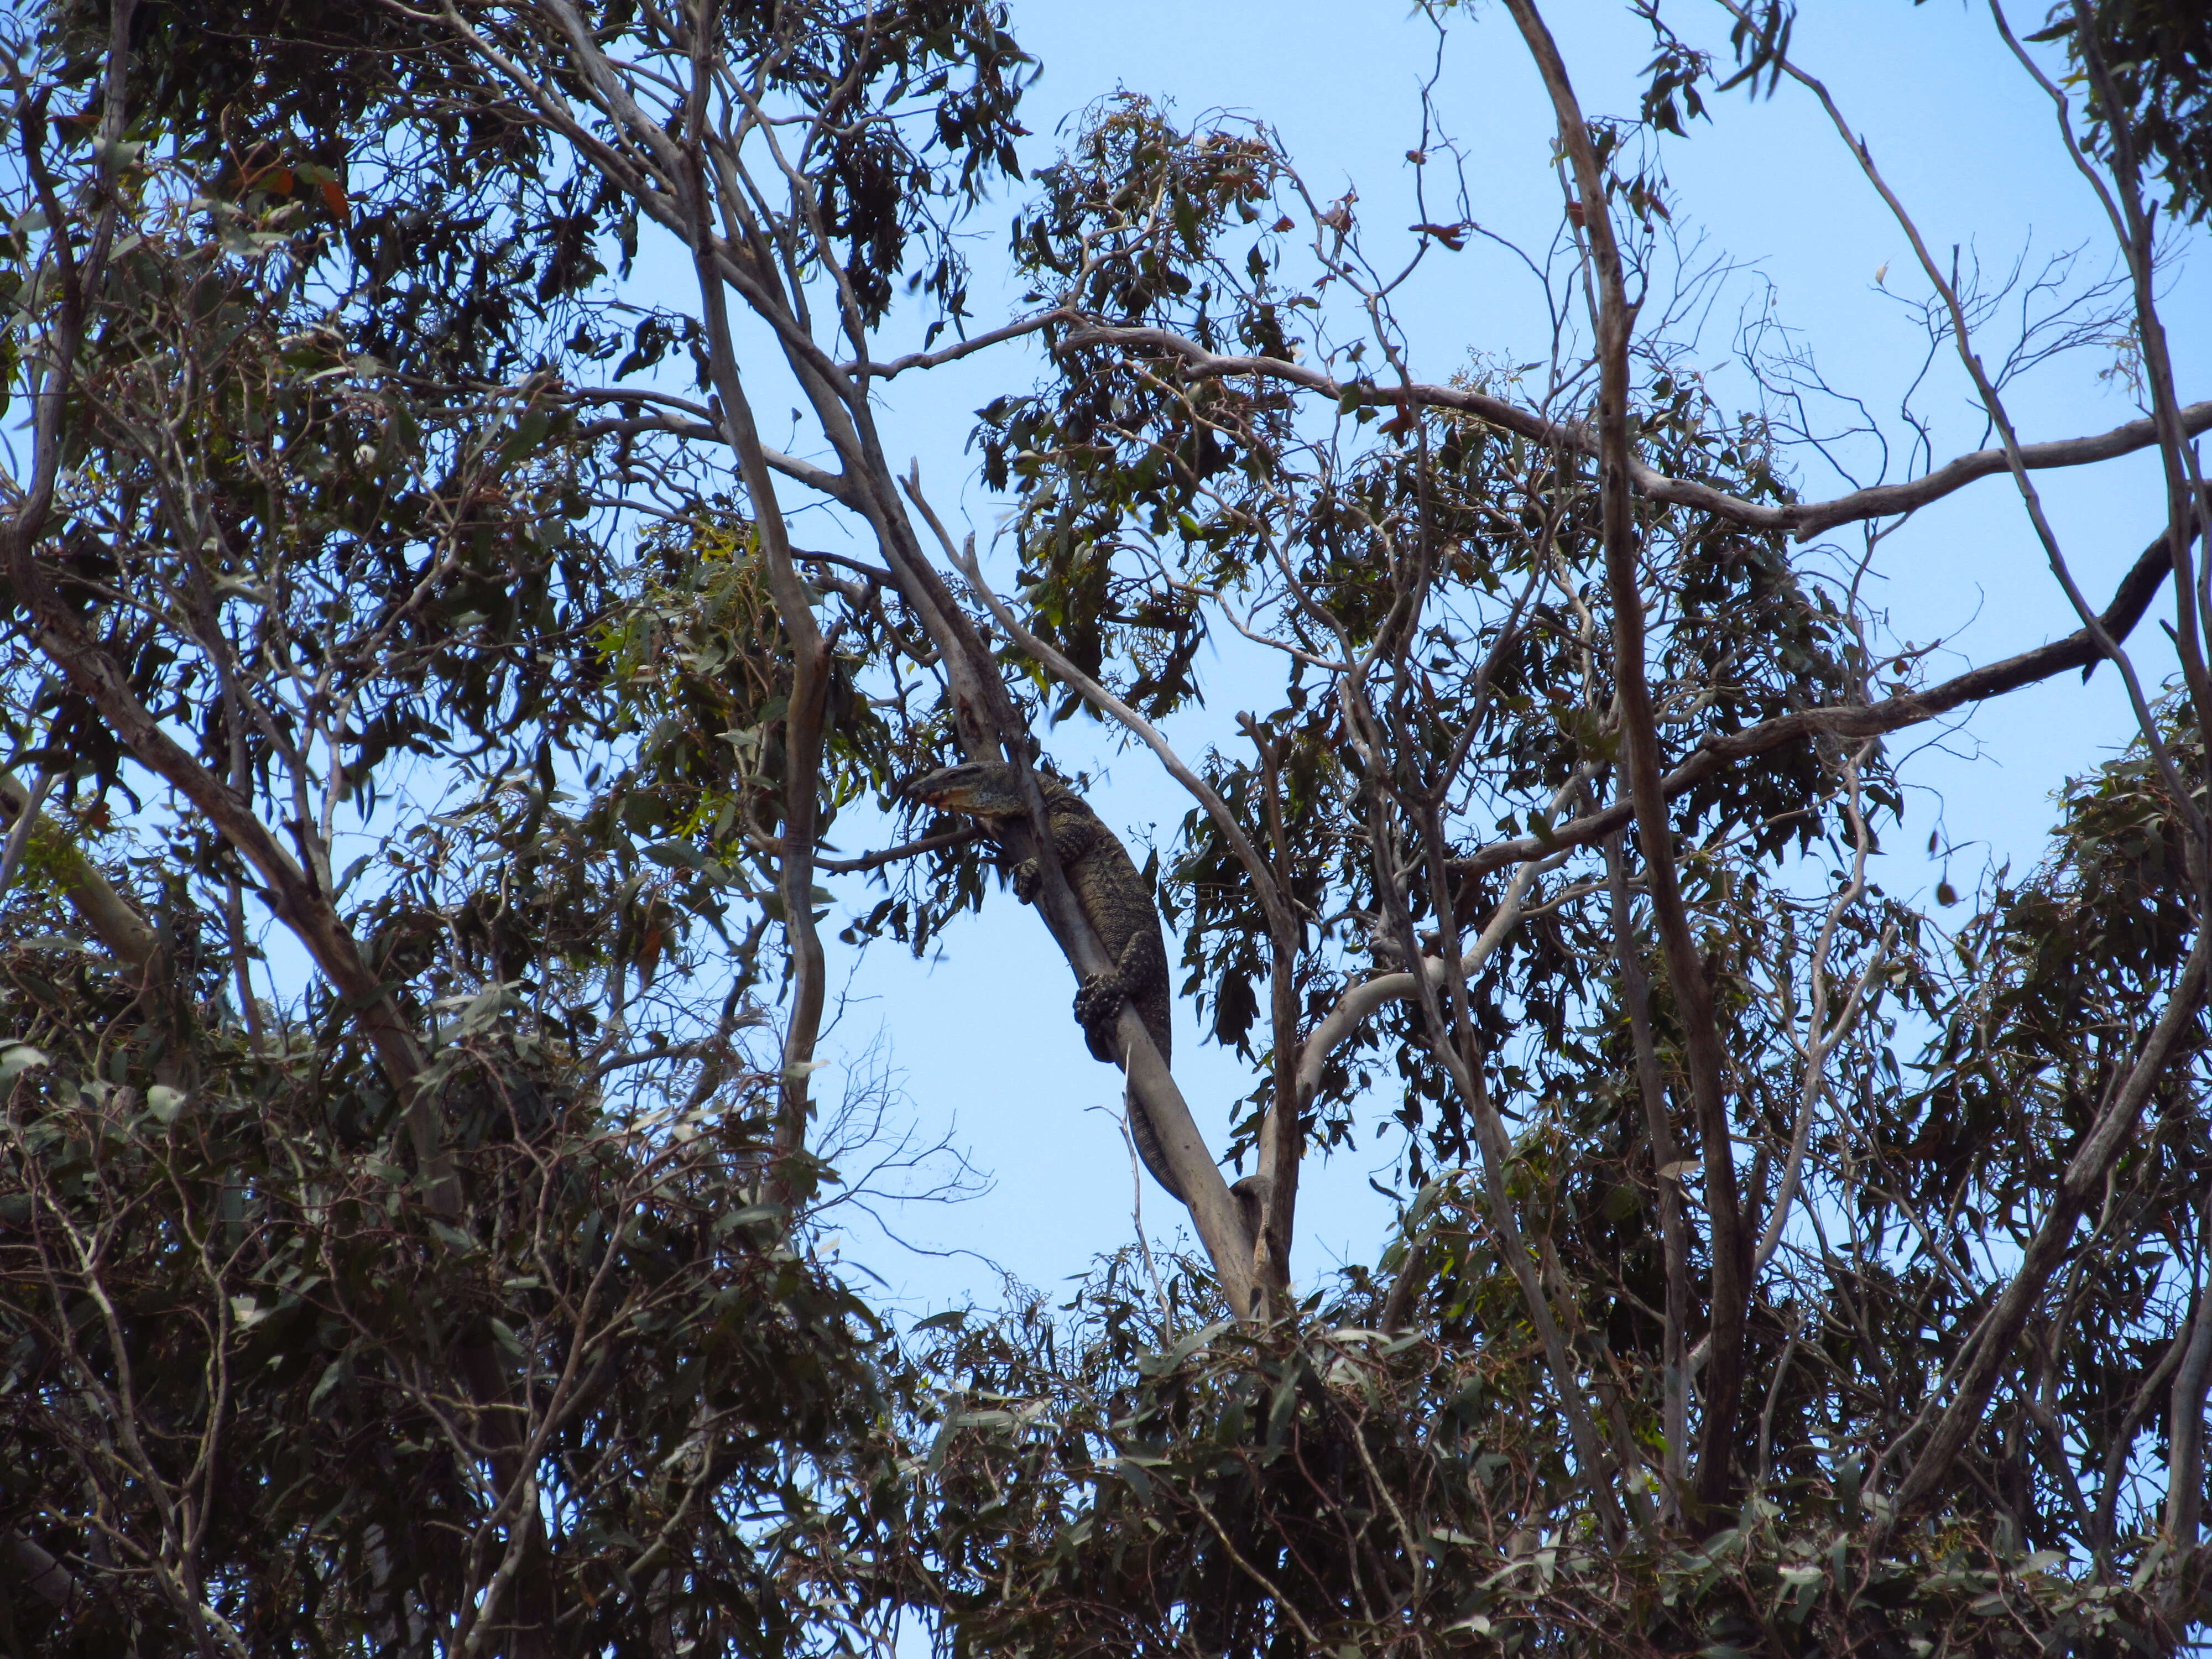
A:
1114,899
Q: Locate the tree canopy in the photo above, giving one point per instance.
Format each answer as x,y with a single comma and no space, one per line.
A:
423,732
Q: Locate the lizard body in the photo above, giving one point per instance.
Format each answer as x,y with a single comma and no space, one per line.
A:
1114,898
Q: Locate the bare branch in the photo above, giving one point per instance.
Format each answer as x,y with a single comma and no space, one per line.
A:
974,343
906,849
1353,1008
1214,1211
804,710
1803,520
1280,921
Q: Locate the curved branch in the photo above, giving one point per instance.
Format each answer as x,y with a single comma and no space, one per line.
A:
1803,520
1881,501
805,473
1362,999
909,849
2079,649
684,418
974,343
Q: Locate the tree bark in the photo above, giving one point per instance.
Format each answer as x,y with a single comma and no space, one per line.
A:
1715,1478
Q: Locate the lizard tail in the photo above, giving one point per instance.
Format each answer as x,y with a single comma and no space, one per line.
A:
1149,1150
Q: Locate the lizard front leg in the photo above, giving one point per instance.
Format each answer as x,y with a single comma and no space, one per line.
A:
1098,1000
1141,969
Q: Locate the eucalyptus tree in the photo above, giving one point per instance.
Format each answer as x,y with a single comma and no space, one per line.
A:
466,1302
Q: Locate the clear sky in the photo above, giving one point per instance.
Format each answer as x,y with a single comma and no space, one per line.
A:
981,1038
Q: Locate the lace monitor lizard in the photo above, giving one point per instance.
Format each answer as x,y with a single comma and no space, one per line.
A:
1115,901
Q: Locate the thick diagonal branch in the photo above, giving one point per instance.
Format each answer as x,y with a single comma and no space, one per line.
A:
112,918
1991,1348
1214,1211
1283,927
1694,998
2079,649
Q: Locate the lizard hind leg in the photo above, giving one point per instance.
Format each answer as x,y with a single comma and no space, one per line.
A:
1098,1003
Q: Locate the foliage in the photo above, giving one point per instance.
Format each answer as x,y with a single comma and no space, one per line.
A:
2161,59
1120,1481
232,1327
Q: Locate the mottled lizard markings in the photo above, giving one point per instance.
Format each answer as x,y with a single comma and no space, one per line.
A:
1115,900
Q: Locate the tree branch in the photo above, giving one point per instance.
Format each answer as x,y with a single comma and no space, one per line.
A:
110,916
804,710
1353,1009
974,343
2079,649
906,849
1715,1478
1214,1209
1991,1348
1280,920
1803,520
1666,1158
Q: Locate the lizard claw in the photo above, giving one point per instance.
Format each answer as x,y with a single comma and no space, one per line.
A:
1026,877
1097,1001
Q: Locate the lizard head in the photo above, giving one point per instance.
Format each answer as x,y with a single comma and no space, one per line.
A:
977,788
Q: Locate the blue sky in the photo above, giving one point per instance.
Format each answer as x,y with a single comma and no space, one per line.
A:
980,1038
